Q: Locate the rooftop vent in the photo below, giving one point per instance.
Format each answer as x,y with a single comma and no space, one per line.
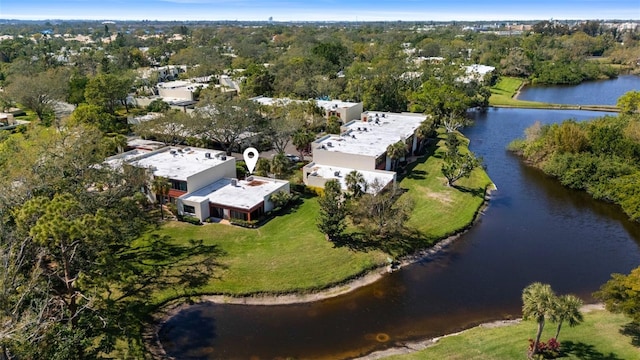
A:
249,178
223,157
336,173
207,155
329,144
234,182
365,129
173,152
383,115
353,136
187,149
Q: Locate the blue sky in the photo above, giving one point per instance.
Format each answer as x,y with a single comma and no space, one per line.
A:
320,10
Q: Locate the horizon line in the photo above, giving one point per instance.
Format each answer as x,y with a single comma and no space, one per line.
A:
317,21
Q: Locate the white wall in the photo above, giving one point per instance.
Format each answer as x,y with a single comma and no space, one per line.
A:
201,207
338,159
268,205
211,175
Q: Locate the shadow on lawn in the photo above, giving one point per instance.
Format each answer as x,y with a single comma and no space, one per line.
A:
632,330
398,244
584,351
477,192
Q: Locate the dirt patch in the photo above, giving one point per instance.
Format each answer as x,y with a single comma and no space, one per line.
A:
441,197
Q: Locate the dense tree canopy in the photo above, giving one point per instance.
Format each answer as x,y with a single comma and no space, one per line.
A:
599,156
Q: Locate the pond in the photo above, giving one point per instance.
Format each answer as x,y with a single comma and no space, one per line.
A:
533,230
601,92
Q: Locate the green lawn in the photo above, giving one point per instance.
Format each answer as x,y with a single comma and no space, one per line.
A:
502,94
289,255
441,210
598,337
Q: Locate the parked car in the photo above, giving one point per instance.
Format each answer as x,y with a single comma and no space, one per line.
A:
292,157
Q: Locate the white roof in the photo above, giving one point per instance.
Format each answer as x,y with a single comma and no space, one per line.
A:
479,69
325,104
180,163
339,173
117,160
372,137
144,144
244,195
335,104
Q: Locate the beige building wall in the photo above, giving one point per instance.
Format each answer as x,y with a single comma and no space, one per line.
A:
201,207
178,93
226,169
268,205
338,159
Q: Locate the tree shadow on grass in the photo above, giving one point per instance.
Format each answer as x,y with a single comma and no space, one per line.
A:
398,244
632,330
584,351
475,192
417,175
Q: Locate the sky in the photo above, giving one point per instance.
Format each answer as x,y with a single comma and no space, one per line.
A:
321,10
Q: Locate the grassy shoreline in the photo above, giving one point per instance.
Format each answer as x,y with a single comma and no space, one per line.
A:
599,337
505,94
288,255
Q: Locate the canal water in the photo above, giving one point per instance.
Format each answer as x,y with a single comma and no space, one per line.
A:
533,230
600,92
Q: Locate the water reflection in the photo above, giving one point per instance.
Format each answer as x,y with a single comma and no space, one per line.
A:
533,230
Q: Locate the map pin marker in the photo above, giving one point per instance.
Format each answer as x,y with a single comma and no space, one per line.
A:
250,158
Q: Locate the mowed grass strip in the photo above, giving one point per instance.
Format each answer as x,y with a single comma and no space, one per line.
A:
286,255
502,94
442,210
289,255
598,337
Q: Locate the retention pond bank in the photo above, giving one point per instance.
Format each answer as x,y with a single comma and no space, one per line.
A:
533,230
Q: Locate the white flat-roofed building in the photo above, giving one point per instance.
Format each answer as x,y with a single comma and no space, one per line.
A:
187,169
144,144
203,182
363,144
320,174
230,198
477,72
179,89
343,110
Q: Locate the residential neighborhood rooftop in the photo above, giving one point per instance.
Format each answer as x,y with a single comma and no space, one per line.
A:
372,135
180,163
325,104
340,173
245,194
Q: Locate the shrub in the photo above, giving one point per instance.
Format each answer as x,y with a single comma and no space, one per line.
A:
244,223
548,350
190,220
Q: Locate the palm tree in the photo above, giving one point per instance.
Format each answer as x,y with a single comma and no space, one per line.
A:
538,302
427,129
567,309
160,186
119,142
396,151
301,139
355,183
279,165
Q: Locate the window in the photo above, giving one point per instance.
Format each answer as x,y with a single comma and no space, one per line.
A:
179,185
189,209
238,215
